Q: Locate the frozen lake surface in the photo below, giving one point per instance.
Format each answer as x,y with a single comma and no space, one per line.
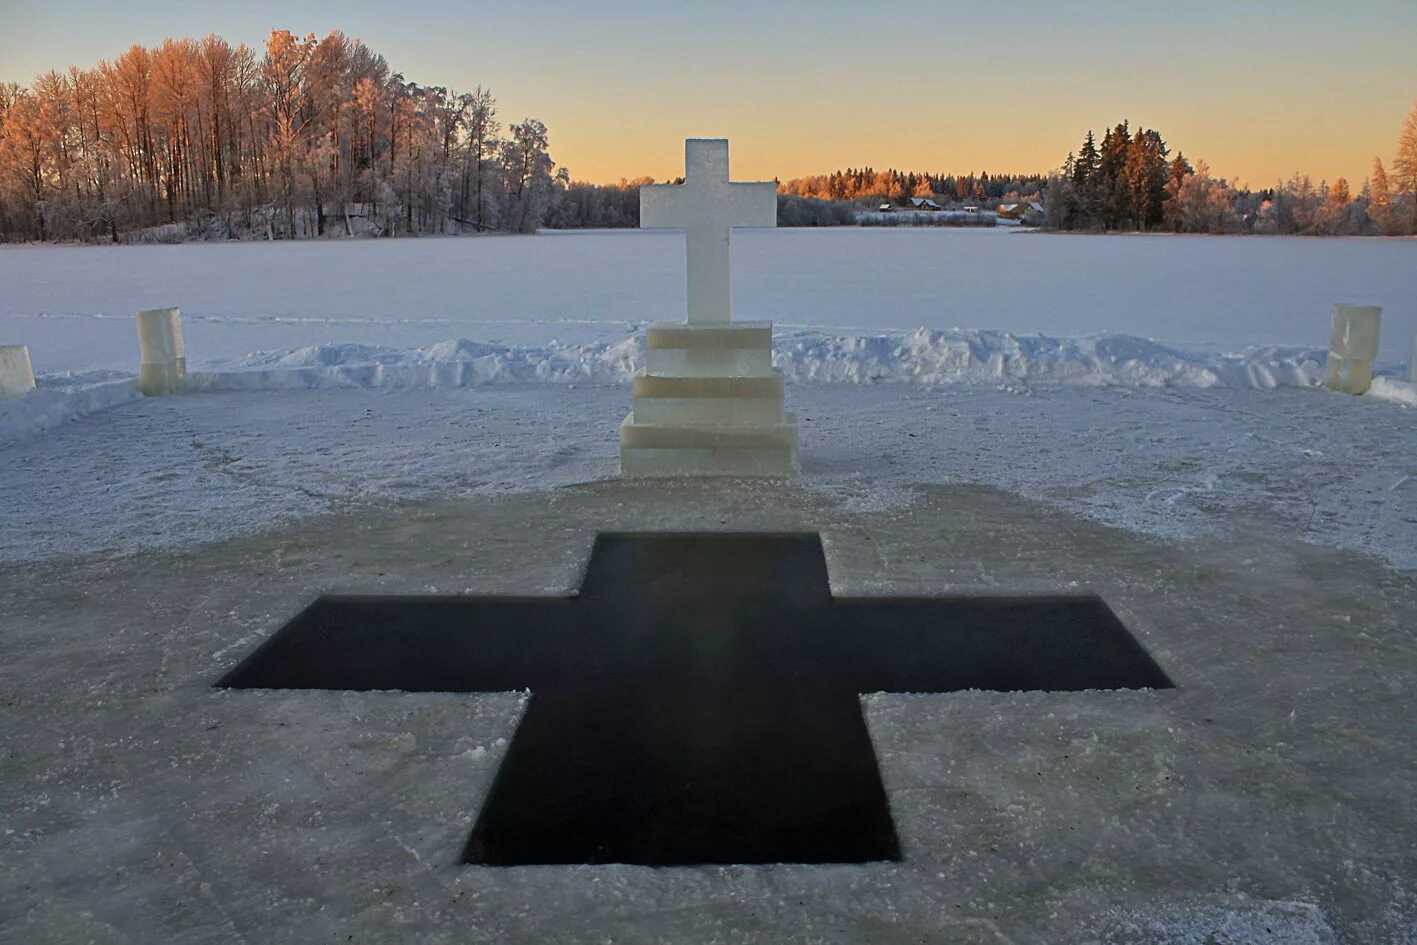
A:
330,365
72,305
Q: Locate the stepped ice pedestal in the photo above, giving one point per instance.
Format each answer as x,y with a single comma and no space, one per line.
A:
164,355
16,373
708,404
1352,348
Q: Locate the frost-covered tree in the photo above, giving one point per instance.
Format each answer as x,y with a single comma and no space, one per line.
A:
477,202
197,137
1404,168
283,70
1200,203
24,155
528,181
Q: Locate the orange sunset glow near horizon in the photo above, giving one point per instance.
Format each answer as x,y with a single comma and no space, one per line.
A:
1259,93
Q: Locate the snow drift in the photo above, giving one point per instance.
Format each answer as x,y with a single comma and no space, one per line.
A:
922,357
49,405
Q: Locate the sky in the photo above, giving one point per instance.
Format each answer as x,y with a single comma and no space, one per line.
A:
1258,90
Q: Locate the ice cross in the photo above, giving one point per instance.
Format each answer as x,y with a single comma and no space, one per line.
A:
698,701
708,206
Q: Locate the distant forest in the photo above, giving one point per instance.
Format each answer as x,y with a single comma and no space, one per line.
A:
897,187
823,200
307,138
1130,182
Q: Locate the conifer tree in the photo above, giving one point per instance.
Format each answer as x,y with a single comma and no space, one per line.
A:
1180,167
1114,194
1085,165
1146,176
1339,194
1380,200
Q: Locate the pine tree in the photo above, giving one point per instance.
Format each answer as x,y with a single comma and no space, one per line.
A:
1180,167
1145,174
1112,186
1339,194
1084,172
1380,201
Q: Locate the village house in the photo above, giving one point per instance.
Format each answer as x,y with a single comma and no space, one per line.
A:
1015,211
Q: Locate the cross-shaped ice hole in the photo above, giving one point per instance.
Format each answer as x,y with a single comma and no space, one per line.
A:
698,701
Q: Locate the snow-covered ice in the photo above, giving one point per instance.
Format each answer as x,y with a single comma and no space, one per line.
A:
384,404
1180,462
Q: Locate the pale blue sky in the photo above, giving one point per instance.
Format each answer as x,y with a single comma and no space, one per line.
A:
1258,89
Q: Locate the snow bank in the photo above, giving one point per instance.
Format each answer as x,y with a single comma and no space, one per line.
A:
458,363
49,406
921,357
973,355
1394,390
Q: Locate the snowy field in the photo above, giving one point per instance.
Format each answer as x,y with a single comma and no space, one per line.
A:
1164,384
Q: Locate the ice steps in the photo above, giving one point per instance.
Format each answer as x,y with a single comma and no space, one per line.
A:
708,404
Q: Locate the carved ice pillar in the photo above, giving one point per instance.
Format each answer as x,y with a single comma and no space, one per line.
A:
164,356
16,374
1352,348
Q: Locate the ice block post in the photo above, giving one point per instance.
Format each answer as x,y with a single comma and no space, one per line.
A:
1352,348
164,357
16,375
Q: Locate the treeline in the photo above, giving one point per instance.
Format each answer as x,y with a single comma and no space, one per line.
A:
825,200
1130,182
581,205
307,138
865,184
